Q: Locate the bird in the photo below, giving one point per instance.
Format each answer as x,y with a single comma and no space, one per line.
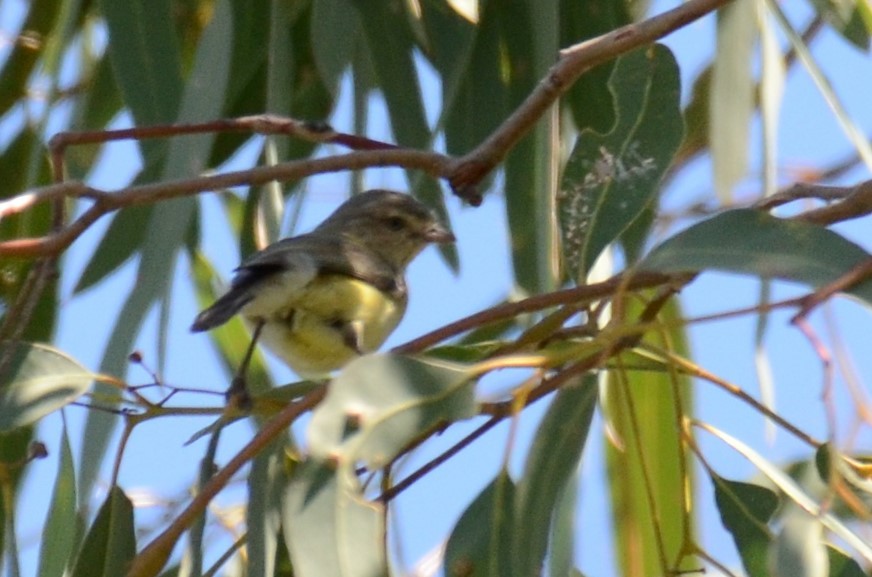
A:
321,299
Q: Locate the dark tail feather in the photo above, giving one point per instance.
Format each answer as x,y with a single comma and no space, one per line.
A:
221,311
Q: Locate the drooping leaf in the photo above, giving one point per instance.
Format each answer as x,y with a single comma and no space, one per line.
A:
146,60
41,18
37,381
731,99
610,180
329,529
796,494
379,403
481,543
467,57
841,565
551,463
335,34
529,32
846,18
798,549
590,100
263,516
647,465
110,544
753,242
58,538
745,511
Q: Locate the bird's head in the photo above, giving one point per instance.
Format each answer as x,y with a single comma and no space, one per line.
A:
393,225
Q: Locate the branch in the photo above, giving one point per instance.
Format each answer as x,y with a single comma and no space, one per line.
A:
151,560
106,202
573,62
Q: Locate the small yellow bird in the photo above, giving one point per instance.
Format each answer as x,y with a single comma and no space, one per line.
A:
320,299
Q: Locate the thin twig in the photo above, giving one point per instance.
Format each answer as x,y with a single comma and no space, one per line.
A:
155,555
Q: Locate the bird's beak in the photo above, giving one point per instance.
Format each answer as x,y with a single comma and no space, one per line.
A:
439,234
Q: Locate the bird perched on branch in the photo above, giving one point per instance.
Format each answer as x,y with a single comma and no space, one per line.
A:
321,299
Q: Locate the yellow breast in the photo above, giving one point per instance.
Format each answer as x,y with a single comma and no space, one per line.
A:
309,328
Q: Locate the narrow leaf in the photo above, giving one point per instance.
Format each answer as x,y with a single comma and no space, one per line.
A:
745,510
265,483
330,530
38,380
753,242
610,180
732,95
379,403
110,544
794,492
481,543
551,463
798,549
58,537
647,467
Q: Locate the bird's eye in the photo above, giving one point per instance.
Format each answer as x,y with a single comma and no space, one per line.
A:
396,223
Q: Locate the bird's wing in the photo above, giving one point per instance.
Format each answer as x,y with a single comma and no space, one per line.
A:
299,260
331,254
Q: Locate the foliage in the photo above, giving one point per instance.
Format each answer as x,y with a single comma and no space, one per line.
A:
582,182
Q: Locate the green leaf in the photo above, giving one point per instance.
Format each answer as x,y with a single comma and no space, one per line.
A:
611,180
551,463
732,95
110,544
379,403
121,240
265,484
42,17
745,511
58,537
754,242
336,33
145,57
330,530
794,492
846,18
696,119
481,544
589,98
392,57
529,38
798,549
561,554
467,57
38,380
642,411
843,566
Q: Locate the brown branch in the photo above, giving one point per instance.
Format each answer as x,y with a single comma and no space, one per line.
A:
576,296
107,202
154,556
573,62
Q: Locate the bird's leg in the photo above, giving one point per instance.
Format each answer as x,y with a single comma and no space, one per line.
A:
238,394
352,335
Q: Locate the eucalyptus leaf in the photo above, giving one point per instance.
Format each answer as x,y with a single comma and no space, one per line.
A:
110,544
610,180
754,242
553,458
481,543
38,380
380,403
58,540
731,98
745,511
329,529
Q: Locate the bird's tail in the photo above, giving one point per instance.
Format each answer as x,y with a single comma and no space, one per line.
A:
221,311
